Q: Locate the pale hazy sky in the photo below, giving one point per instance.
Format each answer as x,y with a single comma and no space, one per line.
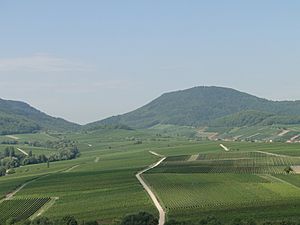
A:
86,60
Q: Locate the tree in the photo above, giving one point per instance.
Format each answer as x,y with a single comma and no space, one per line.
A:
288,169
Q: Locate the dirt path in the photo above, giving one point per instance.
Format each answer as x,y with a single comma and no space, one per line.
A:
282,133
156,154
70,169
162,213
224,147
294,138
12,137
254,135
10,195
21,150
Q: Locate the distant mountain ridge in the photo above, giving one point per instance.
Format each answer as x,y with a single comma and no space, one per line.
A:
20,117
200,106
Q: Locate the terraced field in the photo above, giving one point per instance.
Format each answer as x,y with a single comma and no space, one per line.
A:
20,209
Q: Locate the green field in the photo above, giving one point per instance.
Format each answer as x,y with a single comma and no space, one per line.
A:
213,181
101,183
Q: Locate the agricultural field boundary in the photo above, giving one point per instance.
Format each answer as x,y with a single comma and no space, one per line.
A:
162,213
254,135
282,133
44,208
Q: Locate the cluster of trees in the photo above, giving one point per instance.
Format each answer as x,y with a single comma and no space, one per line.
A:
9,159
60,144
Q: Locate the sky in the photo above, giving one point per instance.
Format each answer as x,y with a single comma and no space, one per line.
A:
88,60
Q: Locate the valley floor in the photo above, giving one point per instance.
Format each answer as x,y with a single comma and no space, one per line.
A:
99,184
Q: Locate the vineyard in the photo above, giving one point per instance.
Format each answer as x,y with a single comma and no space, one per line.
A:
20,209
197,179
228,162
217,191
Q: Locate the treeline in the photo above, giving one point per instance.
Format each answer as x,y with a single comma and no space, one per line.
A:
9,159
66,220
211,220
144,218
59,144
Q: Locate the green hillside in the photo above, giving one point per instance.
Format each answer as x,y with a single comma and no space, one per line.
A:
200,106
19,117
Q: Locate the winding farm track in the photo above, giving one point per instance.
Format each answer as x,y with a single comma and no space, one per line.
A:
162,213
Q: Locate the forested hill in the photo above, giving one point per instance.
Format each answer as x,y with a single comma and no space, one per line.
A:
19,117
199,106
